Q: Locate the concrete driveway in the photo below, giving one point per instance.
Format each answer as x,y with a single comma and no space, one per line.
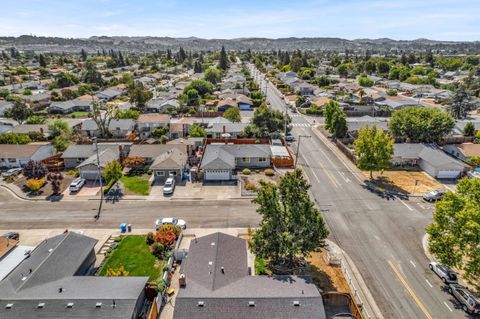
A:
89,189
197,191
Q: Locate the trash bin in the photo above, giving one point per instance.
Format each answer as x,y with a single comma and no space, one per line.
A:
129,228
123,227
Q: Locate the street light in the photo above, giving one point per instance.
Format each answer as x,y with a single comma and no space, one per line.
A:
97,216
298,147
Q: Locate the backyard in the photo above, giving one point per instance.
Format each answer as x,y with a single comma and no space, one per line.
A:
134,255
136,184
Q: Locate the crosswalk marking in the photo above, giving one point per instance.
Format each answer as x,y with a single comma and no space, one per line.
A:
301,124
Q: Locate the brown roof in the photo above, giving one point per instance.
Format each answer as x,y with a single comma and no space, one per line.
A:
6,245
154,118
321,101
469,149
229,102
18,151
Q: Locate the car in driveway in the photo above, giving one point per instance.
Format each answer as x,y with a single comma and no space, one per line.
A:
169,186
12,235
77,184
467,300
12,172
434,195
170,221
445,273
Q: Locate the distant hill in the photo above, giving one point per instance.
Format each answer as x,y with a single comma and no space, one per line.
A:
55,44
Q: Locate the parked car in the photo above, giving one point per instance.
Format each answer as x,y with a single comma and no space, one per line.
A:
12,172
77,184
434,195
12,235
289,138
169,186
468,301
170,221
446,274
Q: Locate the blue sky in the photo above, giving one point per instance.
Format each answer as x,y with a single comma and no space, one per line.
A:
350,19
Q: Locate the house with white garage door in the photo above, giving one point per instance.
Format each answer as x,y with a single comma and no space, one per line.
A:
89,168
220,161
430,159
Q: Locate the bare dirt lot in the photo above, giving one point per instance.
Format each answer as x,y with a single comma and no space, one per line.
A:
404,181
325,276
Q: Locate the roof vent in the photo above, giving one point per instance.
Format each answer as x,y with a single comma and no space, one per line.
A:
9,306
70,305
296,303
41,305
98,305
213,244
50,250
251,303
201,303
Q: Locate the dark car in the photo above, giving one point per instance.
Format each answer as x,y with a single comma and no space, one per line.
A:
12,235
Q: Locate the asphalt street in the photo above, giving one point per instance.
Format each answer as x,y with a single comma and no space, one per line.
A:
383,237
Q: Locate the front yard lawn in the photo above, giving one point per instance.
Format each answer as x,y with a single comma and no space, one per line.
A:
136,184
77,115
134,254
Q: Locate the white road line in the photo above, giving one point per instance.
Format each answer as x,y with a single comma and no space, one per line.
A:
409,208
313,171
446,305
413,264
428,282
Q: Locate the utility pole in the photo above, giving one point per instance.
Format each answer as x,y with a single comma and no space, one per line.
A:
298,148
97,216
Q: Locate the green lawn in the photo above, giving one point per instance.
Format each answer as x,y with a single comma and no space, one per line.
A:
134,254
78,114
137,184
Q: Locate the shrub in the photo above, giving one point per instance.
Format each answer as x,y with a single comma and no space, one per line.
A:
392,92
73,172
161,286
158,250
120,272
10,179
35,170
257,171
168,227
149,238
34,184
250,187
166,238
269,172
246,171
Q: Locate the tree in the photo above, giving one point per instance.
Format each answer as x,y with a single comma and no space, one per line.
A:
420,124
212,75
102,115
454,235
370,67
335,119
193,99
460,103
139,96
91,75
267,121
233,114
112,171
59,127
469,129
19,112
14,138
196,131
158,132
35,169
374,149
383,67
203,87
296,64
363,80
41,61
223,62
66,79
83,55
36,119
291,225
55,180
127,114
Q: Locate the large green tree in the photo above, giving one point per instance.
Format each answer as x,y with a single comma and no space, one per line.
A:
212,75
335,119
223,63
139,96
196,131
267,121
19,112
112,171
460,103
233,114
291,226
203,87
455,231
420,124
374,149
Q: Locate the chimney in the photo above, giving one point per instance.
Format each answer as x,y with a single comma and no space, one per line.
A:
182,281
60,290
224,129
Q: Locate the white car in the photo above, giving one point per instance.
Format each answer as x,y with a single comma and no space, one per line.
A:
77,184
446,274
169,186
12,172
170,221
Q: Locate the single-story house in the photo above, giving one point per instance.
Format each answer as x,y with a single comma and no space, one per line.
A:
356,123
54,282
244,103
216,283
74,155
118,128
221,160
218,130
27,128
89,167
463,151
12,155
173,161
77,105
109,94
430,159
161,105
224,105
305,89
149,152
147,123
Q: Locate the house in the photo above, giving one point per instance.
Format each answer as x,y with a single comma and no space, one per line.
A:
149,152
162,105
305,89
220,161
118,128
74,155
89,168
463,151
66,107
244,103
28,128
430,159
54,282
147,123
216,283
172,162
12,156
356,123
224,105
320,101
218,130
109,94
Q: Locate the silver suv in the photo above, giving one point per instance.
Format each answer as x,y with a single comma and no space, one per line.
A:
469,303
447,275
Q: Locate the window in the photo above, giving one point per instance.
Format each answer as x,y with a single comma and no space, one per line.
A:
262,159
245,159
160,173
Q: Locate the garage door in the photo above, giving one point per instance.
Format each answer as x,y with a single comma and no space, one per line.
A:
448,174
217,175
89,175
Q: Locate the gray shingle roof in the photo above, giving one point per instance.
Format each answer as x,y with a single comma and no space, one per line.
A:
104,157
175,158
426,152
87,150
222,156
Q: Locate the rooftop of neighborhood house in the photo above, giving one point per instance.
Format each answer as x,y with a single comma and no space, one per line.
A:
19,151
153,118
105,156
223,155
426,152
469,149
152,150
173,158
